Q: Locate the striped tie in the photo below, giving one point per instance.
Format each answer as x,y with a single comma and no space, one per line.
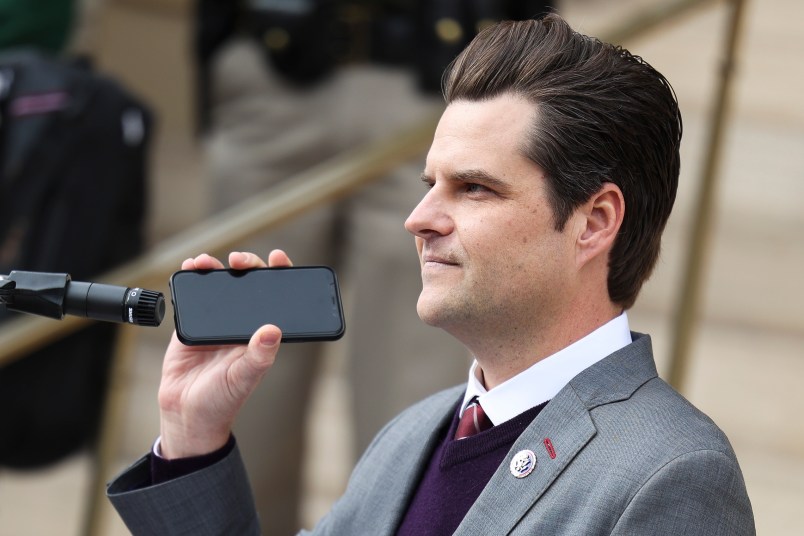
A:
473,420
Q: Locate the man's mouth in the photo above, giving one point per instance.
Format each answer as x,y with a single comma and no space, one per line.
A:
436,260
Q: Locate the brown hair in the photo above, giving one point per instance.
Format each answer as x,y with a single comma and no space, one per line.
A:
603,115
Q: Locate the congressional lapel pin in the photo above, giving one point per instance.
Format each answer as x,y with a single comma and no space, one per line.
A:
523,463
551,450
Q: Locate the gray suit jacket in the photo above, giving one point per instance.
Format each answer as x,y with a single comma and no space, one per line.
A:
629,457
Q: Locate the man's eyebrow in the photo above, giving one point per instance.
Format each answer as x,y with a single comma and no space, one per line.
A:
473,175
480,176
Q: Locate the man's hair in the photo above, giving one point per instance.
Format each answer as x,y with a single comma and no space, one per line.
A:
602,115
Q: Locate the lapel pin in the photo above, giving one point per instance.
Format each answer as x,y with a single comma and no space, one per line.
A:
551,450
523,463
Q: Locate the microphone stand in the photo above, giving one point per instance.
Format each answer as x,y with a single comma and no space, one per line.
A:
38,293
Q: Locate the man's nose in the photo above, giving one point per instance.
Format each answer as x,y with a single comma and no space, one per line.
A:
429,216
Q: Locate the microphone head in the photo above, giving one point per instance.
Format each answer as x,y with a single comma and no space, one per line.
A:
144,307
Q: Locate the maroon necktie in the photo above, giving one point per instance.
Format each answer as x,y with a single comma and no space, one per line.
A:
473,420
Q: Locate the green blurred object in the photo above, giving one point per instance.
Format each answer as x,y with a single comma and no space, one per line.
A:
43,24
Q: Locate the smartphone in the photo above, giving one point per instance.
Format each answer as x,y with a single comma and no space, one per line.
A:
227,306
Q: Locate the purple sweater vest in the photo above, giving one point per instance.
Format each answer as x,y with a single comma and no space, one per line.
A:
457,473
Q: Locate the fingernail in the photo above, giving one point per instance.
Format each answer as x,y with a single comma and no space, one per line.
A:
269,338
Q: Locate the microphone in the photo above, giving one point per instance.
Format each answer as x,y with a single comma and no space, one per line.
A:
54,295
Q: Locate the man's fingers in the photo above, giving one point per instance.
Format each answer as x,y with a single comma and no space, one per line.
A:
246,373
265,344
240,260
278,258
202,262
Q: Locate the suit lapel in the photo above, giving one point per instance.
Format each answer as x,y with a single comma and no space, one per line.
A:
566,423
556,436
409,443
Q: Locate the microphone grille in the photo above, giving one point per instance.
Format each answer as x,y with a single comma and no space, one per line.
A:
149,308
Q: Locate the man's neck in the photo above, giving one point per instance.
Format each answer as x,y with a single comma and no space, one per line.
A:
506,354
544,379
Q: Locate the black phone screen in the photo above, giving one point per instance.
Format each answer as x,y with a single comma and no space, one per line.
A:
227,306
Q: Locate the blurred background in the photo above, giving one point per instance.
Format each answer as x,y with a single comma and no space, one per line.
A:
221,126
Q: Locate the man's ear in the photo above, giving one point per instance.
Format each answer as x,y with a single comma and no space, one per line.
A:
601,217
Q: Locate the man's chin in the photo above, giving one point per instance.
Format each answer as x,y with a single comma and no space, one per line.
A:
435,311
427,312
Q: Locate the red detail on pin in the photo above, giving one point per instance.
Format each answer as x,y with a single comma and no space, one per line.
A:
550,449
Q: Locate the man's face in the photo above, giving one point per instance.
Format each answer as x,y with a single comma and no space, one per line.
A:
492,261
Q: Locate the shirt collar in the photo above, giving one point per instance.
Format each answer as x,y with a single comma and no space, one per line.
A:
544,379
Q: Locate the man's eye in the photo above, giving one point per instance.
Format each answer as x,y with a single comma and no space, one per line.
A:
475,188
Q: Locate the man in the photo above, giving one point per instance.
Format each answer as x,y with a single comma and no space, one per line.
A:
550,178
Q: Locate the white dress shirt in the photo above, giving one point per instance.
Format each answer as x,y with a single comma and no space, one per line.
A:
546,378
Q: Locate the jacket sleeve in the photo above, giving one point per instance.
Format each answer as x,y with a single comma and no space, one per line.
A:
216,500
698,493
